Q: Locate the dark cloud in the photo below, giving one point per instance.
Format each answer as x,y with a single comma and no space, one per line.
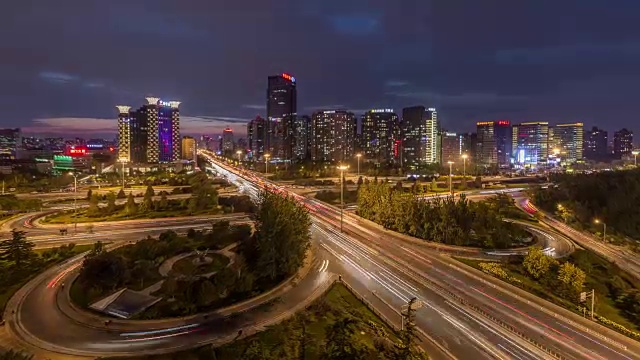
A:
522,60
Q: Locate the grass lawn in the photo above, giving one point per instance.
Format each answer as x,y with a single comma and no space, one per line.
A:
186,266
605,306
324,312
81,217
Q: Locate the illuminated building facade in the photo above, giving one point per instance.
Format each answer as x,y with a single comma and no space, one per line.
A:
332,136
10,143
151,134
531,143
566,141
257,132
302,125
380,132
226,145
420,140
281,114
451,147
494,143
596,142
188,148
622,142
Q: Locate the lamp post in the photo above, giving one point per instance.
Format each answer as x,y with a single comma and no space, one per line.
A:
342,168
635,157
604,233
123,161
75,201
358,156
450,176
464,169
266,164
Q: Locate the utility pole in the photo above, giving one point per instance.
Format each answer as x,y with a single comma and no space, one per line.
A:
342,168
450,177
583,298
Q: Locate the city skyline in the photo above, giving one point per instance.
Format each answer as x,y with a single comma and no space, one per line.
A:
469,76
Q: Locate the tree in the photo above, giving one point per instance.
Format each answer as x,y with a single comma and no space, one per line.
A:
121,194
434,185
281,238
203,195
89,194
17,249
478,182
14,355
571,280
111,202
408,336
94,208
341,343
141,270
163,204
360,181
536,263
629,303
130,207
104,271
98,248
147,202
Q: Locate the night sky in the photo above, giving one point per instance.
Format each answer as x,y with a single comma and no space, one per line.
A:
65,64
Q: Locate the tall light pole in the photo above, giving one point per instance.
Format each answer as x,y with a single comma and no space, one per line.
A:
464,169
635,157
450,177
266,164
75,201
358,156
604,233
342,168
123,161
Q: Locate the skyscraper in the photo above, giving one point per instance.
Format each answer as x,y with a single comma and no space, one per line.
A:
380,132
10,143
419,144
302,125
567,139
450,147
331,136
622,142
595,144
188,148
151,134
281,112
531,143
226,146
493,146
257,132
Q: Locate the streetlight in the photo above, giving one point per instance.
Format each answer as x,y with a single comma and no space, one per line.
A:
342,168
266,164
604,233
464,169
123,161
450,176
358,156
635,157
75,201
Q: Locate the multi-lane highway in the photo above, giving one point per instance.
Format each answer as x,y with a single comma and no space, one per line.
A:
465,312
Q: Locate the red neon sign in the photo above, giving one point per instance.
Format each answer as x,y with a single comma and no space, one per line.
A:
77,151
288,77
504,122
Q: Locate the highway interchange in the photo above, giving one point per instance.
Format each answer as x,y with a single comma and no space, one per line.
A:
466,314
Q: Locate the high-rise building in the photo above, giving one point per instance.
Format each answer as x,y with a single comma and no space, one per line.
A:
257,132
281,112
596,142
188,148
10,143
419,128
380,136
493,145
469,145
451,146
567,141
622,142
531,143
302,126
152,133
331,136
226,145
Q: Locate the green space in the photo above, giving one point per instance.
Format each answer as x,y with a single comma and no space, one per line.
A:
617,302
265,257
14,355
444,220
337,326
203,200
19,262
10,202
333,197
187,266
609,197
